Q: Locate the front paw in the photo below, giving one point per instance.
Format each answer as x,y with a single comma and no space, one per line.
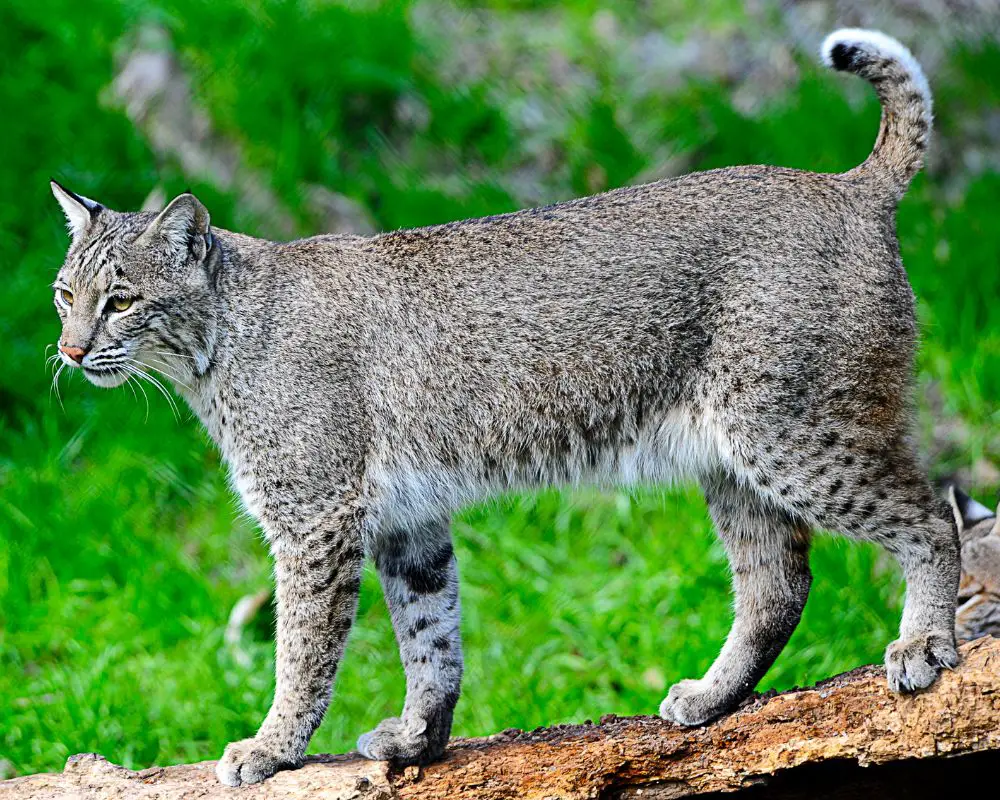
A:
690,703
913,664
402,741
250,761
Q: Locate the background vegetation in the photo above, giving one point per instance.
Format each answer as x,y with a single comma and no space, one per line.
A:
121,552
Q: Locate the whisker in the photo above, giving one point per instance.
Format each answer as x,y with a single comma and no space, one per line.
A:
171,376
131,381
163,372
138,375
166,394
55,387
128,381
159,386
172,354
131,377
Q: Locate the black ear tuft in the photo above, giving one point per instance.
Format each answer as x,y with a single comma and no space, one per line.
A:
80,211
967,511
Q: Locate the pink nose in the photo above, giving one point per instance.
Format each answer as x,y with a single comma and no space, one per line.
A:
76,353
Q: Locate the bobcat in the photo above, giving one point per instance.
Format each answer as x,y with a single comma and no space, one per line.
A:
749,327
979,589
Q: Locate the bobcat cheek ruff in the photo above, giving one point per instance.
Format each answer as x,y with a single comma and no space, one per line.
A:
751,328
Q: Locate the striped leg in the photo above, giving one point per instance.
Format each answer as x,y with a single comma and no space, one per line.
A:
420,580
318,578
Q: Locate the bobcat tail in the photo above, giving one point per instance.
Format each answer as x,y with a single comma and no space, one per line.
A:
906,102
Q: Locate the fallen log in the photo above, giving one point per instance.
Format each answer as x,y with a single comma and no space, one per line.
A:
845,737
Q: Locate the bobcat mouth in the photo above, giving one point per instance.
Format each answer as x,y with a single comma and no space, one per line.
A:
105,377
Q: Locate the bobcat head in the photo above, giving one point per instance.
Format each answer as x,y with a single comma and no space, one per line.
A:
135,293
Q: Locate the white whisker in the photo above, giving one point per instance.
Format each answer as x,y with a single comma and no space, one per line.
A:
128,381
118,371
55,387
131,381
172,354
163,372
159,386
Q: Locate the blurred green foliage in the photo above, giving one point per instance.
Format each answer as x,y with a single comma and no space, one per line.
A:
121,550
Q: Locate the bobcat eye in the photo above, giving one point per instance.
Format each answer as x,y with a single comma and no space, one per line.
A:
67,296
121,303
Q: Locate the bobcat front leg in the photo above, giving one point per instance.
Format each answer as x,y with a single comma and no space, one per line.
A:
420,581
318,577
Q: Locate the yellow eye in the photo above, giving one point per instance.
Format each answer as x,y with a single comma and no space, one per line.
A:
67,296
121,303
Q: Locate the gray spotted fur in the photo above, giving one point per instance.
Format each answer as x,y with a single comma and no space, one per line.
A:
749,327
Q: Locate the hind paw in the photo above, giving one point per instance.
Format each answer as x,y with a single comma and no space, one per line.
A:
692,702
402,741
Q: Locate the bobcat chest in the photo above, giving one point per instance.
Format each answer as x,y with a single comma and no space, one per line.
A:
231,429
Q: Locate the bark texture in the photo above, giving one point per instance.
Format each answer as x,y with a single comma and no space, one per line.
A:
845,737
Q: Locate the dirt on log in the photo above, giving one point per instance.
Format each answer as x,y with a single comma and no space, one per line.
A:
843,738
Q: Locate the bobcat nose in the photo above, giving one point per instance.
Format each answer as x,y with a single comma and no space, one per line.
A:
76,353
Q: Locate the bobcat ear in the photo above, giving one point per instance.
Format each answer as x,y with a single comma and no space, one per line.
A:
966,510
79,211
182,226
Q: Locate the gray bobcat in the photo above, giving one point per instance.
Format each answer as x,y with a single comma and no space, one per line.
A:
749,327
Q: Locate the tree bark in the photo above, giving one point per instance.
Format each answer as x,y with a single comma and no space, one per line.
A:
845,737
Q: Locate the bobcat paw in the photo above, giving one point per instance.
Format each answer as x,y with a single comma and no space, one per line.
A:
250,761
913,664
403,741
691,702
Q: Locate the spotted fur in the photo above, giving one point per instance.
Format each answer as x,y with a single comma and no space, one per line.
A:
750,327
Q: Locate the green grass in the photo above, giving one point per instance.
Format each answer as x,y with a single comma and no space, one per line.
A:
121,550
